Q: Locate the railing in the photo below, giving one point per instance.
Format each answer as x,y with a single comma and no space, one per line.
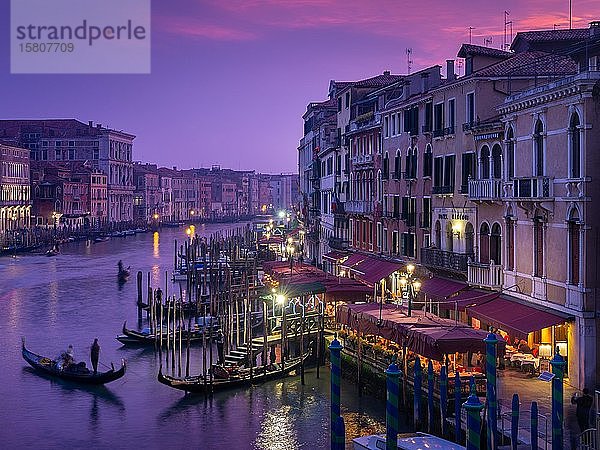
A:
544,429
485,189
443,259
359,207
533,187
360,160
442,190
588,440
485,275
438,132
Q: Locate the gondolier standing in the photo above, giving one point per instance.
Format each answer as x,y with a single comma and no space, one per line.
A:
220,342
95,355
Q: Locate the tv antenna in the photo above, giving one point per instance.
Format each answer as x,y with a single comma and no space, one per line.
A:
409,60
570,14
487,41
507,23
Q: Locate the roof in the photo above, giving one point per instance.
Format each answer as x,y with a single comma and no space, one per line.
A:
373,270
377,81
470,49
441,288
549,36
530,64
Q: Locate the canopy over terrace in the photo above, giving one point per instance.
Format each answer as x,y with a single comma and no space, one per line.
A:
427,335
278,273
373,270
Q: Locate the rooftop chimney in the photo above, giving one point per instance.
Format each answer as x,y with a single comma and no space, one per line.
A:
98,125
595,28
174,167
91,123
386,72
450,75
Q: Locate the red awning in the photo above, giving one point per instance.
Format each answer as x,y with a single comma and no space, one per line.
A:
373,270
271,240
441,288
468,298
335,255
513,316
353,260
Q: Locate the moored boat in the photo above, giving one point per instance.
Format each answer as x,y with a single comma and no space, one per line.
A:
406,441
53,252
101,239
48,366
147,337
223,379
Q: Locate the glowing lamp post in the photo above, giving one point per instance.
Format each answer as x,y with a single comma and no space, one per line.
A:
410,285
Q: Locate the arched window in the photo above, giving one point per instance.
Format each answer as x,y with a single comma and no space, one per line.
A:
386,166
438,234
427,161
510,242
538,145
413,165
538,246
510,153
379,186
397,165
408,164
469,239
575,147
574,249
496,244
497,161
484,162
484,243
449,237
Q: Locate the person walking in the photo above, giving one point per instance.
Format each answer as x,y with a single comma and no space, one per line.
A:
582,411
95,355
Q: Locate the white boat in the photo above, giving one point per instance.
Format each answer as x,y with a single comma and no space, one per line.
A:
406,441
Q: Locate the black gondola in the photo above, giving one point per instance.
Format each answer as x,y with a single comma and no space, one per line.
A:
147,337
242,378
47,366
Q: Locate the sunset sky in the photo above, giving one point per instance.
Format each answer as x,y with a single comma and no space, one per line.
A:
231,78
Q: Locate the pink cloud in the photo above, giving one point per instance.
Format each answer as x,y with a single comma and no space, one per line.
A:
190,27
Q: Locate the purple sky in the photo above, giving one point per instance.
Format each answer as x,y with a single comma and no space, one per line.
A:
231,78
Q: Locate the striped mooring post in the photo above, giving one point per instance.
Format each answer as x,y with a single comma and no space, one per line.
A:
443,398
457,399
514,422
491,342
335,349
430,396
473,407
558,367
418,387
534,425
392,375
340,434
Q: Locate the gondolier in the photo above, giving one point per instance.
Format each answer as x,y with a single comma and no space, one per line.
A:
95,355
220,342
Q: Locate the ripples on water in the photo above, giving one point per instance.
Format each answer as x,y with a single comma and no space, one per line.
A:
73,298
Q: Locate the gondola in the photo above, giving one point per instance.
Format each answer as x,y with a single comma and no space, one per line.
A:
147,337
123,275
53,252
241,378
47,366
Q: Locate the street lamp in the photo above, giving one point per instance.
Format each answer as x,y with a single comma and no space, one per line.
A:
409,285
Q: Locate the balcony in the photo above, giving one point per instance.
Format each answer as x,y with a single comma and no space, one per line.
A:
337,243
535,188
440,132
442,190
359,207
366,120
363,161
485,189
442,259
489,276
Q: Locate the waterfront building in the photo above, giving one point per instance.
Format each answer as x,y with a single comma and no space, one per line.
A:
98,198
71,140
147,196
165,181
15,193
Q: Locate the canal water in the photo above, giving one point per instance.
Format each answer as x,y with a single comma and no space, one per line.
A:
74,298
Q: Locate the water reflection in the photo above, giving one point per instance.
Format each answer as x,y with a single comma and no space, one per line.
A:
155,245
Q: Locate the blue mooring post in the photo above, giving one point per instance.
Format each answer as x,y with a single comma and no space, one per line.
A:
534,425
340,434
514,422
491,342
443,398
335,349
430,395
558,367
473,407
391,419
457,399
417,394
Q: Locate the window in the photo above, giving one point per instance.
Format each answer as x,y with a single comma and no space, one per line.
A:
574,247
510,243
411,120
386,126
451,115
470,107
469,239
426,222
468,170
538,145
428,117
510,153
339,105
438,234
438,171
574,147
394,242
497,161
386,166
538,248
484,163
427,161
408,244
347,100
495,244
396,207
449,161
484,243
397,165
438,117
